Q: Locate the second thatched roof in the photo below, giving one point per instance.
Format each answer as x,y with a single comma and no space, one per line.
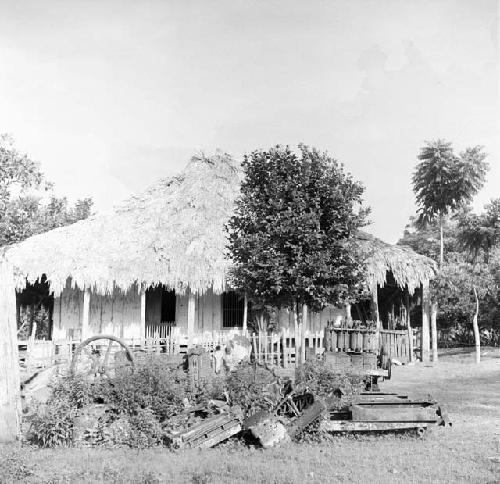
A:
174,234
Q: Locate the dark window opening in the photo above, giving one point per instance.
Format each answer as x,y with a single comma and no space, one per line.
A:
232,309
167,306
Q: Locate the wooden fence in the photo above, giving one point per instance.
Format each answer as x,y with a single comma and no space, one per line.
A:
281,349
35,354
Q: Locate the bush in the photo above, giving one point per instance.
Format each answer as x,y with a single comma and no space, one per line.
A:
146,431
324,381
253,388
52,425
138,401
153,385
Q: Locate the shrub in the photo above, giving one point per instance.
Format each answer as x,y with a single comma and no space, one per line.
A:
153,385
323,382
253,388
146,430
52,425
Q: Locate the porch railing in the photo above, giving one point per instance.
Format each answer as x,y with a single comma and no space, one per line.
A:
279,348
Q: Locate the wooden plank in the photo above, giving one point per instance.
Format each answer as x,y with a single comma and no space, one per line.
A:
389,412
351,426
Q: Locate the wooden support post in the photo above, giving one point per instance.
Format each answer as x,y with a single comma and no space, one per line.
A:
143,312
424,334
374,305
303,334
10,395
191,313
375,315
245,314
434,310
348,315
408,326
86,314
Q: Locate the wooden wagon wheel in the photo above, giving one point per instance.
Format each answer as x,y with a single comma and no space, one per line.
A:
102,356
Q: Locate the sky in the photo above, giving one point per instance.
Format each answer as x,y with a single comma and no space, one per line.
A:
111,95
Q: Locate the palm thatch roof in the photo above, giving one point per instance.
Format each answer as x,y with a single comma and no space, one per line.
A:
408,268
173,234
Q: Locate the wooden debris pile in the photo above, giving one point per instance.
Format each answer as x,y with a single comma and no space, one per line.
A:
204,426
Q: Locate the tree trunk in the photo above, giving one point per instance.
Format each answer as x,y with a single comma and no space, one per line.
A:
441,242
303,334
10,397
245,314
434,310
475,327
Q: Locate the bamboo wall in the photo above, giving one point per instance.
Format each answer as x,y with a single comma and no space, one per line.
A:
67,316
117,313
120,314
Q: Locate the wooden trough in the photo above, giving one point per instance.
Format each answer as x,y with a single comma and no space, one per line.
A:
385,412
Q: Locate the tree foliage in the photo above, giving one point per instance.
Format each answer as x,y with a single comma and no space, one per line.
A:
425,239
444,182
472,260
27,204
292,220
454,287
481,233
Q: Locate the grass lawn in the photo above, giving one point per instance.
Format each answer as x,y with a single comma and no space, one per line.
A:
469,451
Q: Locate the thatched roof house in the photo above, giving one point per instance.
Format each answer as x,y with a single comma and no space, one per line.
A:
408,268
159,259
171,234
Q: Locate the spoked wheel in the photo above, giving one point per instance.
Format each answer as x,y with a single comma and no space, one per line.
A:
102,356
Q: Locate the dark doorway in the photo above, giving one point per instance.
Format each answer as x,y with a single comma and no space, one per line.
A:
35,306
160,310
233,306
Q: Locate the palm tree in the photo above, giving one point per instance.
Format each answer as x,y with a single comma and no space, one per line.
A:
443,182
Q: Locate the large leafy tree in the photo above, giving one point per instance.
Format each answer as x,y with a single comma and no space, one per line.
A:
443,182
27,204
465,287
479,234
289,235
